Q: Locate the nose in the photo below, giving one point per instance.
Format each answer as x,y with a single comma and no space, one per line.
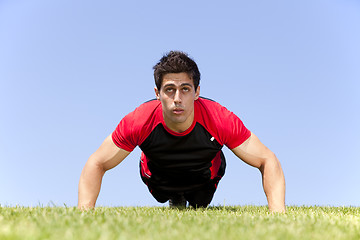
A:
177,97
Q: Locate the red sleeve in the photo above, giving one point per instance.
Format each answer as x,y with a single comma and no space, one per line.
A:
123,134
225,126
234,130
137,125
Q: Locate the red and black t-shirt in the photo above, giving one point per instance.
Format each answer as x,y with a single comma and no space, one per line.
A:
174,161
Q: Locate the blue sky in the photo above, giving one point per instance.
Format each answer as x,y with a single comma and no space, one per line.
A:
70,70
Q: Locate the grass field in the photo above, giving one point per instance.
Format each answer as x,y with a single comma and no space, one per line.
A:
245,222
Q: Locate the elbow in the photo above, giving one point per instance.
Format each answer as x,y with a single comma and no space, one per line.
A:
269,160
94,163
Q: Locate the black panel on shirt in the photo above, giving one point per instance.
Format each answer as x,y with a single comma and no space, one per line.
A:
179,162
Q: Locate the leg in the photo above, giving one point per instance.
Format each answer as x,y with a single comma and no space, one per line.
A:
202,197
176,200
161,197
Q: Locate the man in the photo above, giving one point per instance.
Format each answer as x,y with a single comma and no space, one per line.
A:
181,135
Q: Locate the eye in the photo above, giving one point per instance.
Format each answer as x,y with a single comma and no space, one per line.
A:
169,89
186,89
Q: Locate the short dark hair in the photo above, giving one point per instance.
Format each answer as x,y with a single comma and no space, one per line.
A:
176,62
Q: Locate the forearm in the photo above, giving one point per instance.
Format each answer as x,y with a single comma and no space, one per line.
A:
89,185
274,184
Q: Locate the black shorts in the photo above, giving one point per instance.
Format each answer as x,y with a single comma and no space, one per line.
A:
196,198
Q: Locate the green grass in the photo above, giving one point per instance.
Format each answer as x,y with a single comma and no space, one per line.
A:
245,222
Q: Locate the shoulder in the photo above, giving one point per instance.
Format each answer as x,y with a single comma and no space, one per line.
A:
148,107
225,125
146,113
211,108
137,125
207,103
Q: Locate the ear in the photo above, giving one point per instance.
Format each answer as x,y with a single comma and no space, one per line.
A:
197,93
157,93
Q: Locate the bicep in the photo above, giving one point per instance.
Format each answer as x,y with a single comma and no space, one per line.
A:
108,155
253,152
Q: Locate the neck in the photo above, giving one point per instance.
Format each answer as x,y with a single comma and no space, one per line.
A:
179,127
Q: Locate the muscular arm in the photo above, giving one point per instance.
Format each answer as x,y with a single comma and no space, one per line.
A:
106,157
256,154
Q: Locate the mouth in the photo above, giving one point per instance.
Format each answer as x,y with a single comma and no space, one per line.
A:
178,111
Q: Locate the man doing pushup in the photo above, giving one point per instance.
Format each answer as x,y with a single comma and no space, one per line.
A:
181,136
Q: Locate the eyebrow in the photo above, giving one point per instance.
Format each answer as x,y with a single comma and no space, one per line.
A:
173,85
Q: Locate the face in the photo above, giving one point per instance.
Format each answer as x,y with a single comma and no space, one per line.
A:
177,96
